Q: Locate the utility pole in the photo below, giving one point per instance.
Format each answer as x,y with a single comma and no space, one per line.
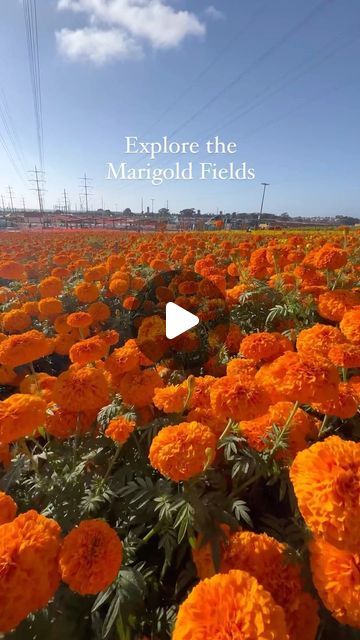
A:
142,205
152,205
39,181
264,184
3,203
11,199
24,207
167,204
65,202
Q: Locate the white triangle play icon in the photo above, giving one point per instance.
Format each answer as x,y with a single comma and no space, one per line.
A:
178,320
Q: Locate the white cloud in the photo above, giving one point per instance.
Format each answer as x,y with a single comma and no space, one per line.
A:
124,25
97,45
214,13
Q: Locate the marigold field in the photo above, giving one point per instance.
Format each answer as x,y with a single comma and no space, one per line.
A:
147,500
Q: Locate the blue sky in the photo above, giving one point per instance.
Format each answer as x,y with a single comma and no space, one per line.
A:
280,78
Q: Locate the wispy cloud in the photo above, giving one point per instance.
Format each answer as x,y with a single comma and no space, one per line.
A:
214,13
118,29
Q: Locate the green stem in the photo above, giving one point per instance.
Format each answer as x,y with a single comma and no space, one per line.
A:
34,374
112,463
226,430
323,426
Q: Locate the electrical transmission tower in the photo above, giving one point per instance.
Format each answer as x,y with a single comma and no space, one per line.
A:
85,193
11,199
39,181
66,202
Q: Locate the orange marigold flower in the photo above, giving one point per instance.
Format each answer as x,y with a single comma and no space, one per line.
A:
7,375
29,553
11,270
301,429
99,311
123,359
317,340
181,451
88,350
94,274
326,479
171,399
345,355
110,337
81,389
119,429
345,406
336,576
118,286
28,346
138,387
8,508
265,346
206,415
237,366
50,287
238,397
330,257
333,304
40,384
15,321
264,558
90,557
79,319
86,292
63,424
20,415
228,606
350,325
31,308
354,382
292,377
50,307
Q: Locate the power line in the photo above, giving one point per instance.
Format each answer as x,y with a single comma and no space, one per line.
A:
31,27
10,129
279,43
209,67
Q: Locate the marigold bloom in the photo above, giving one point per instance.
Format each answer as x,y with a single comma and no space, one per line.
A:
237,366
332,305
181,451
330,257
265,346
8,508
81,389
50,307
301,429
99,311
79,319
228,606
88,350
238,397
206,415
123,359
50,287
119,429
138,387
264,558
326,480
90,557
171,399
118,286
345,355
350,325
317,340
86,292
29,551
11,270
292,377
24,348
345,406
40,384
20,415
63,424
336,576
7,375
15,321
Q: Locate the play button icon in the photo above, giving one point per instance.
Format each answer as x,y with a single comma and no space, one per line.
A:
178,320
181,320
